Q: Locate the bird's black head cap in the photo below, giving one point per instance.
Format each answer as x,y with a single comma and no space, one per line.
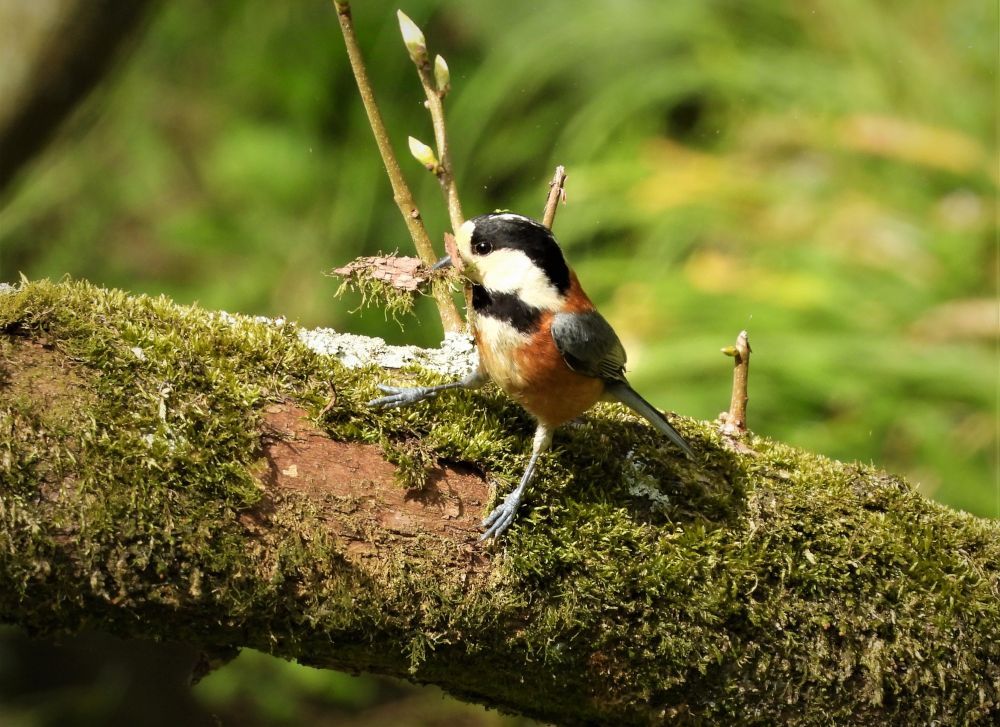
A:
535,240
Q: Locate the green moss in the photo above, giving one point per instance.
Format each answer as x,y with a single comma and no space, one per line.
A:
765,587
414,462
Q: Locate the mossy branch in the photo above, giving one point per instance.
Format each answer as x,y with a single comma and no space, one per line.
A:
172,473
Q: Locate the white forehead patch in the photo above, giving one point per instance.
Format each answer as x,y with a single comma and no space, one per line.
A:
512,216
465,231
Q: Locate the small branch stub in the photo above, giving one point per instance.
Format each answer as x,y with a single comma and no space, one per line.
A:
734,422
451,248
557,194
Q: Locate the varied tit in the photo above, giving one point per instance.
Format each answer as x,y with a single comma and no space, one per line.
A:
539,338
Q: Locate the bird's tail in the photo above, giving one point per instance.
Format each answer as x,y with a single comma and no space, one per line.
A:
630,398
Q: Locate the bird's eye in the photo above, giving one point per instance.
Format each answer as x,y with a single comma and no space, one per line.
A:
483,248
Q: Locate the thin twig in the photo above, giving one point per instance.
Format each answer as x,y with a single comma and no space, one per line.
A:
734,422
557,194
444,172
436,84
450,317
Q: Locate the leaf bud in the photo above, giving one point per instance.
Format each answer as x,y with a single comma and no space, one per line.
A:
442,76
423,154
413,37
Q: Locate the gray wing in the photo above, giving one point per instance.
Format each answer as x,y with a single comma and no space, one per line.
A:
589,345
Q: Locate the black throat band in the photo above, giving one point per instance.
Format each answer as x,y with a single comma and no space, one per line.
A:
506,307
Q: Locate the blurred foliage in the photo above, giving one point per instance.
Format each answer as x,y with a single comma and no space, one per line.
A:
820,172
255,690
95,680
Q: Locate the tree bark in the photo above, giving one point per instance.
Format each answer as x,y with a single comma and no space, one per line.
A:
172,473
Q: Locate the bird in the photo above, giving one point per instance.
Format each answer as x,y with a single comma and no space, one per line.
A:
539,338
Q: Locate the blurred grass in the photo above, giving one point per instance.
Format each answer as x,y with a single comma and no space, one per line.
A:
821,172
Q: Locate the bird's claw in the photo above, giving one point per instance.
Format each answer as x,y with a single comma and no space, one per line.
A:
501,517
399,396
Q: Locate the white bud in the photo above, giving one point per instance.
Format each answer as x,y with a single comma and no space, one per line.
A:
413,37
442,77
423,153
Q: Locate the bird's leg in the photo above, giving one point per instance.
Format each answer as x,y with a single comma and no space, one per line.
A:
404,396
501,517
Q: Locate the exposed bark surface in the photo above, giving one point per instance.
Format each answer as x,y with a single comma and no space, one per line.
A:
174,474
354,489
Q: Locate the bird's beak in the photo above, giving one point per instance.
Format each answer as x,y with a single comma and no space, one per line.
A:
444,262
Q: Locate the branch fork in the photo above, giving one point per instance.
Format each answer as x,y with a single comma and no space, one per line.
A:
451,319
435,78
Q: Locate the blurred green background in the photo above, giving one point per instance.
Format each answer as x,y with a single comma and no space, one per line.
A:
822,173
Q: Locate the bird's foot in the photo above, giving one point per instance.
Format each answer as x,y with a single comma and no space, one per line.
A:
502,516
402,396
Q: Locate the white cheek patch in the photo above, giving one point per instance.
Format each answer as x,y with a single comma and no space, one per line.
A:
511,271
